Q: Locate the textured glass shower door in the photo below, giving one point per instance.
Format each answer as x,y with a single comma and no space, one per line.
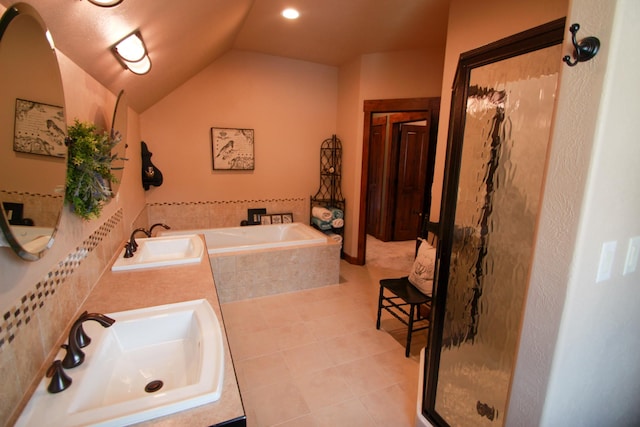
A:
507,124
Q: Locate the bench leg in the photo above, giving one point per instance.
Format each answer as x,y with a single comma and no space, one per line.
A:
410,330
379,307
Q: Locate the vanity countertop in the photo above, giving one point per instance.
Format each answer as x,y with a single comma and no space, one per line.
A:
127,290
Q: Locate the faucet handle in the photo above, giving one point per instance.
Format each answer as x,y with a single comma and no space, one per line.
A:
59,379
128,250
73,357
82,338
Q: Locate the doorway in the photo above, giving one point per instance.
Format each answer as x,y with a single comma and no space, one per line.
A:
373,162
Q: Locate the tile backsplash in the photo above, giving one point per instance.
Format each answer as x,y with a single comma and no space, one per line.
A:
35,324
216,214
32,328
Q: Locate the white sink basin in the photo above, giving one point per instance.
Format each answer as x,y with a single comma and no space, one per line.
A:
178,344
162,251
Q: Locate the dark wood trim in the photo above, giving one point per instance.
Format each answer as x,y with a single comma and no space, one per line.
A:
349,258
527,41
432,105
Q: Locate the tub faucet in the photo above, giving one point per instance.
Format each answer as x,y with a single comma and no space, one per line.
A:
131,246
159,224
78,339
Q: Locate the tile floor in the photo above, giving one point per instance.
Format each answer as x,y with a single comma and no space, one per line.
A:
314,357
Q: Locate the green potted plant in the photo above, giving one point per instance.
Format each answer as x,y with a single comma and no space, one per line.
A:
89,173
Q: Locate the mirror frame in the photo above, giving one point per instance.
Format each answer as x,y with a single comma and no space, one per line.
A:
7,18
119,123
540,37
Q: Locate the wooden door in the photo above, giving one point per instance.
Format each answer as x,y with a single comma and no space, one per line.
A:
376,177
412,172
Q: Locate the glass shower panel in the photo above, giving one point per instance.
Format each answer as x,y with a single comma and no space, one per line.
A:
509,110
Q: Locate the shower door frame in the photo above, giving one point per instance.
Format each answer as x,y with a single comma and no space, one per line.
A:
540,37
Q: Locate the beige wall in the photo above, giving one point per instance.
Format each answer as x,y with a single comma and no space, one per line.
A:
31,328
291,106
577,361
580,340
475,24
86,100
472,25
411,74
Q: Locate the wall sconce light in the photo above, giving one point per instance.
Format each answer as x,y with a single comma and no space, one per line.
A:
106,3
132,53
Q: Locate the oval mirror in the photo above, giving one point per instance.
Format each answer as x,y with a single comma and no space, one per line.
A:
119,152
33,154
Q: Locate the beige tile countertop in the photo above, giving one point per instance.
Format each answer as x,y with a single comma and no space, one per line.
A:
127,290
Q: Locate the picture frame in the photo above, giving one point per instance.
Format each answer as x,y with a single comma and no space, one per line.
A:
39,129
265,219
254,215
232,148
278,218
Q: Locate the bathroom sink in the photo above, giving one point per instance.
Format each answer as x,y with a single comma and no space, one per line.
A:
162,251
151,362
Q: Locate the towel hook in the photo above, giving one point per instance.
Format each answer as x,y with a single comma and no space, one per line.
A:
586,49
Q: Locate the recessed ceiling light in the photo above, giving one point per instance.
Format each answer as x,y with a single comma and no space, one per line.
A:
290,13
106,3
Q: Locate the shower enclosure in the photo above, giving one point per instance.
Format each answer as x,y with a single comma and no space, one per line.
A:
502,109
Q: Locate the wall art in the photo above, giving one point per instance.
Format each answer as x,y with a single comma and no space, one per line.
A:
39,129
232,149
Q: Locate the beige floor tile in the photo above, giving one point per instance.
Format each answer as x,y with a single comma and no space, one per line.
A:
243,316
323,293
293,335
247,345
397,366
317,309
365,375
346,414
262,371
324,388
276,314
306,359
303,421
345,348
390,407
274,404
314,358
374,341
341,324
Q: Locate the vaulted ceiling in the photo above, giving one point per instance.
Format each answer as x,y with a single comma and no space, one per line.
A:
185,36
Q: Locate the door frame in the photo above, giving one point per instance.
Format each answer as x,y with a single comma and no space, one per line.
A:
432,105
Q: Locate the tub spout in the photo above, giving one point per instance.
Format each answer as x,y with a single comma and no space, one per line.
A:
77,338
165,226
133,246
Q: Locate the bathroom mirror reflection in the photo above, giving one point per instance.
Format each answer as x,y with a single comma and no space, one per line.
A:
504,100
119,152
33,155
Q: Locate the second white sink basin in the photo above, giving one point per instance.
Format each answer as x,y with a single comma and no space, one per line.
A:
151,362
162,251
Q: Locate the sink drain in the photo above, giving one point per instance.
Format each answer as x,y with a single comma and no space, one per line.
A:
153,386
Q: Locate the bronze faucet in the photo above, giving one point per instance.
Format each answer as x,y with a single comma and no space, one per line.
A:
165,226
78,339
131,246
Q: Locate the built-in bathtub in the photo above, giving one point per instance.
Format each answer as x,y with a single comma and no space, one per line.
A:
261,260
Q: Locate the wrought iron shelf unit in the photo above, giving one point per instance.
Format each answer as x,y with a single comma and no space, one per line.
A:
329,195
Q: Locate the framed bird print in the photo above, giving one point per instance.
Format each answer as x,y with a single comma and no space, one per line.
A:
232,149
39,129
